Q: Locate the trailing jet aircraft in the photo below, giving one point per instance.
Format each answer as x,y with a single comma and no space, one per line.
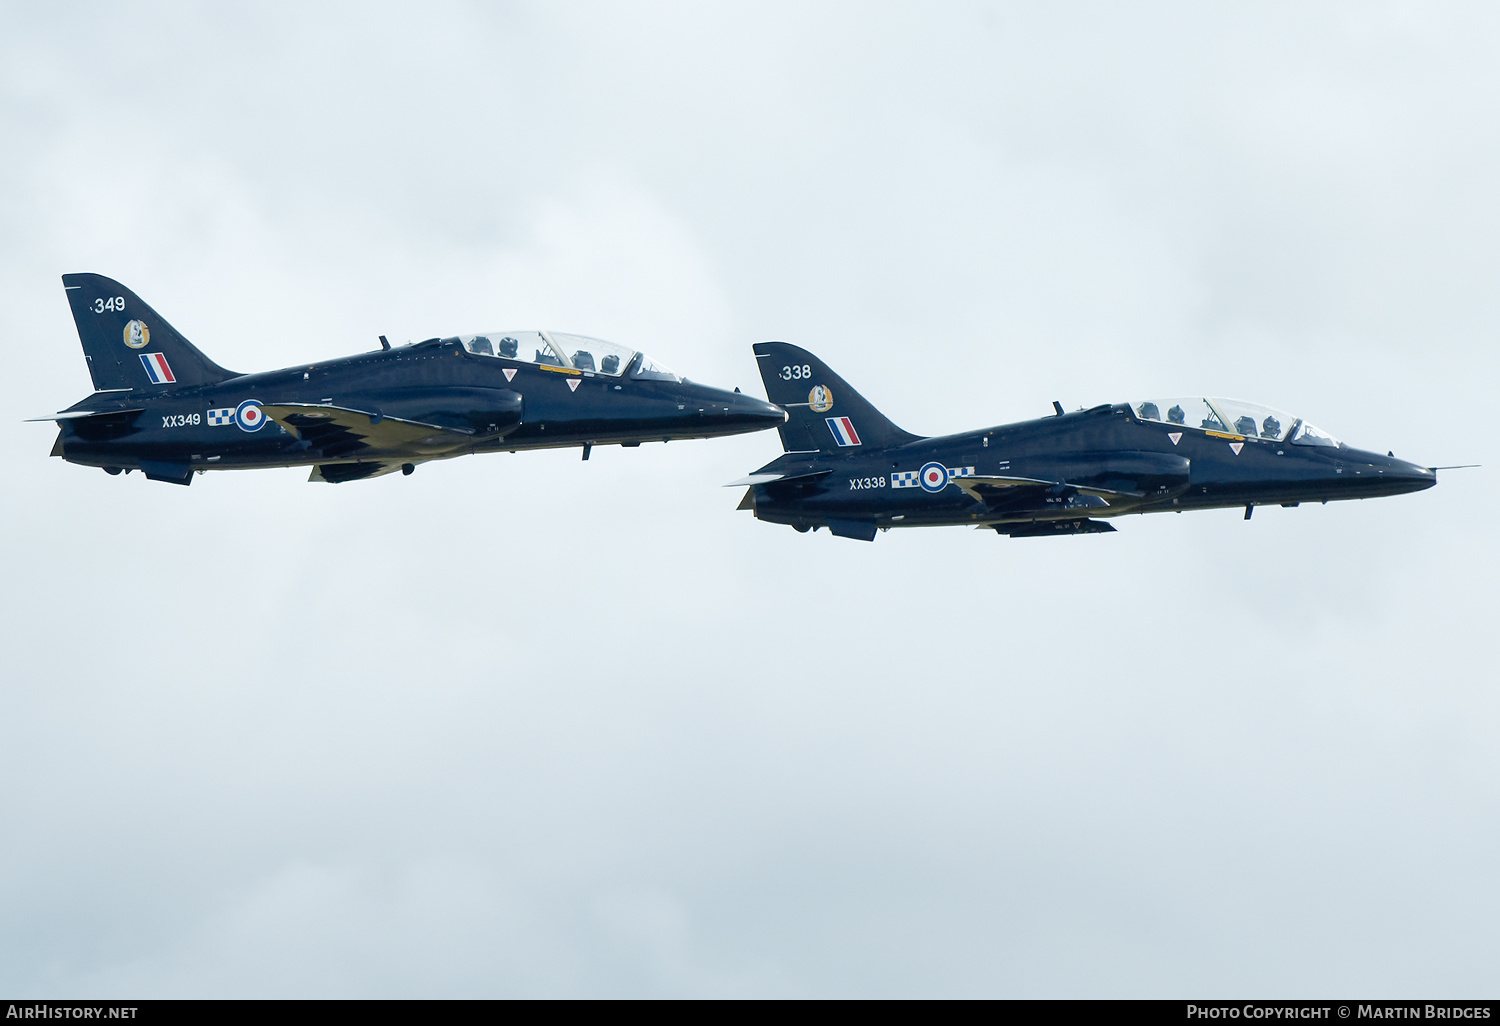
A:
849,469
160,406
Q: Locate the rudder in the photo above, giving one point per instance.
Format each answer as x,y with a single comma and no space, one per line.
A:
825,414
128,344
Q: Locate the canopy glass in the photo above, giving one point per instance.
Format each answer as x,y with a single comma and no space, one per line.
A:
1233,417
574,352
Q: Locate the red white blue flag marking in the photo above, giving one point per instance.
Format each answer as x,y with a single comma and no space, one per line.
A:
157,368
843,430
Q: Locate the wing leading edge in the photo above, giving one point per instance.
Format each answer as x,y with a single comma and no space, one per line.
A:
340,431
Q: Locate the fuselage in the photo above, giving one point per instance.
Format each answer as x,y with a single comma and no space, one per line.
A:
1103,462
488,403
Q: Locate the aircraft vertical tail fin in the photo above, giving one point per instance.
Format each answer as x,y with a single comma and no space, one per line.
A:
128,344
825,414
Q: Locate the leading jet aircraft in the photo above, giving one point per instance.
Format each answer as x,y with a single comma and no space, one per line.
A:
849,469
161,407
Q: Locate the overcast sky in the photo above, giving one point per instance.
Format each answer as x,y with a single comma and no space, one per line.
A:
523,725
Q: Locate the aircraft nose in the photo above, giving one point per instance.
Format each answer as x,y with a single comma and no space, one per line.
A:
1419,477
764,413
1399,476
748,413
730,413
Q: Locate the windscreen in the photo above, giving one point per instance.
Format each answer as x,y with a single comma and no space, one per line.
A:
648,369
1307,434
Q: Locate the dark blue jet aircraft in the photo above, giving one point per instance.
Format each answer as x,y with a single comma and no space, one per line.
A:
849,469
160,406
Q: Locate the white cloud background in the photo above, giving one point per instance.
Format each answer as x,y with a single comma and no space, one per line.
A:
521,725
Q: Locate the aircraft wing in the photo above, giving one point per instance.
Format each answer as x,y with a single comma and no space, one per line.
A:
990,487
338,431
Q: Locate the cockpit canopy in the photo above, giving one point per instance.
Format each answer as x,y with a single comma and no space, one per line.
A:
1234,417
575,352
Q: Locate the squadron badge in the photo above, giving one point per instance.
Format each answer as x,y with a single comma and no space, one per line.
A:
137,335
820,399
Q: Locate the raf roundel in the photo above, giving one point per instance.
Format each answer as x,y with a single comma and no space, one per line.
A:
248,415
934,477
